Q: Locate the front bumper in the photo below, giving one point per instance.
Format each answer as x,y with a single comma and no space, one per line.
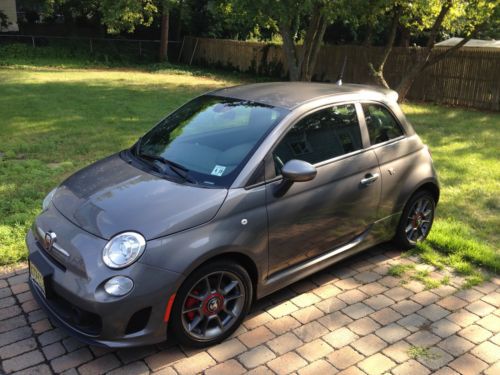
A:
76,301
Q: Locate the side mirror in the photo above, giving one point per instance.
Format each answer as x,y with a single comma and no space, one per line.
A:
294,171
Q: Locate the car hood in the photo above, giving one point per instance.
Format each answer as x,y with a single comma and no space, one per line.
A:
111,196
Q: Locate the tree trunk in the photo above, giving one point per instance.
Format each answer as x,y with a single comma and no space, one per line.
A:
290,51
378,71
164,35
424,61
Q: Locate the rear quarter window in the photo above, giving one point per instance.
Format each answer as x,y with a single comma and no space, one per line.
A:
381,124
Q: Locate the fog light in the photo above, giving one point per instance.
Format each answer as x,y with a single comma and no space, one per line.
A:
118,286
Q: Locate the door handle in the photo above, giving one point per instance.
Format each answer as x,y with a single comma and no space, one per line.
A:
369,178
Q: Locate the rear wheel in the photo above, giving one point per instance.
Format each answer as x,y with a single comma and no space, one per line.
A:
416,220
211,304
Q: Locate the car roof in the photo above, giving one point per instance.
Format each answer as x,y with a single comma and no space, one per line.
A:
290,95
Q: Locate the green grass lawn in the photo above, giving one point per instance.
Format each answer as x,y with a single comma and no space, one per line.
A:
55,121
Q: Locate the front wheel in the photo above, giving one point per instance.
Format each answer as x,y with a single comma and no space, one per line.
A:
211,304
416,220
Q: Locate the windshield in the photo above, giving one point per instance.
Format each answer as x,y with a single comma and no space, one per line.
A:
209,139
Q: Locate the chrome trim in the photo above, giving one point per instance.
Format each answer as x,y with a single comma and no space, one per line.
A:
325,258
59,249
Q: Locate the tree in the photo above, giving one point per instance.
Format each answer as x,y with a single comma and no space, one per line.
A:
301,24
432,17
125,15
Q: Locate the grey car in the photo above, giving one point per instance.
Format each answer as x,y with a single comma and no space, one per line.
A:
236,194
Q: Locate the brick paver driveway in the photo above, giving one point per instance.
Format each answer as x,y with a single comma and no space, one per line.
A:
352,319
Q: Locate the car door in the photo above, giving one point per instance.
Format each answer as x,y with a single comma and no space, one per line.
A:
395,153
338,204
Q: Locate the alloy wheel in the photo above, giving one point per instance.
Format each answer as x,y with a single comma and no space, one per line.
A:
419,220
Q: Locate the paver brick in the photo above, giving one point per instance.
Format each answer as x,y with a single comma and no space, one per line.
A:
331,305
11,323
469,295
379,302
256,357
318,367
452,303
310,331
367,277
129,355
463,318
226,350
261,370
344,357
389,281
53,350
414,286
305,299
392,333
284,343
468,365
282,325
287,363
364,326
487,351
100,365
423,338
308,314
357,310
346,284
413,322
71,360
327,291
398,293
398,352
15,335
135,368
475,333
406,307
256,337
164,358
256,320
369,345
9,312
340,337
376,364
20,288
490,322
411,367
435,358
314,350
425,298
456,345
386,316
22,361
446,371
444,328
231,367
480,308
52,336
284,308
433,312
41,326
17,348
493,370
335,320
42,369
194,364
492,299
352,296
373,289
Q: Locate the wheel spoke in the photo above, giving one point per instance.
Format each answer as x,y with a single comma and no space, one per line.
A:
409,227
427,212
219,321
195,323
232,298
205,326
199,298
208,286
230,287
219,282
191,309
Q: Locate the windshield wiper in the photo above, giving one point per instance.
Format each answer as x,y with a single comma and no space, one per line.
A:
178,169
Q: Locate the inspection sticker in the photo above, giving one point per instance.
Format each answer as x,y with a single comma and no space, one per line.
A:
218,170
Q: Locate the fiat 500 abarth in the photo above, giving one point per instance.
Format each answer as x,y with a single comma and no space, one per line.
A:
233,196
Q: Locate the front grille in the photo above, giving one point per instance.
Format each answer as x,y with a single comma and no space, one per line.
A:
84,321
138,321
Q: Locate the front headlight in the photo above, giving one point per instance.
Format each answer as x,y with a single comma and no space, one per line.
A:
123,249
48,199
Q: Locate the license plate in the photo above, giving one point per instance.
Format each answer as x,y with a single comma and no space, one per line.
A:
37,278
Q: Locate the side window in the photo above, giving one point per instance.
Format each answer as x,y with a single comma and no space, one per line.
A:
320,136
381,124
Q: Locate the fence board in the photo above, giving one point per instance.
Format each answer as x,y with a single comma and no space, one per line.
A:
469,77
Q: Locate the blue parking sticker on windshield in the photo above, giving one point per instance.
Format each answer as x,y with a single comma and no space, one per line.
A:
218,170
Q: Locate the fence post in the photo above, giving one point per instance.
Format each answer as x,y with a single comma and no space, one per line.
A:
182,47
33,41
91,46
194,51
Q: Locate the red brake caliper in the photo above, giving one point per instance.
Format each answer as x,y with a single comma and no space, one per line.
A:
191,302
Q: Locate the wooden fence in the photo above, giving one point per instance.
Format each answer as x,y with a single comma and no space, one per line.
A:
469,77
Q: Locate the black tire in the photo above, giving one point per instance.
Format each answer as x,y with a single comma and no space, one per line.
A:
182,319
407,237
